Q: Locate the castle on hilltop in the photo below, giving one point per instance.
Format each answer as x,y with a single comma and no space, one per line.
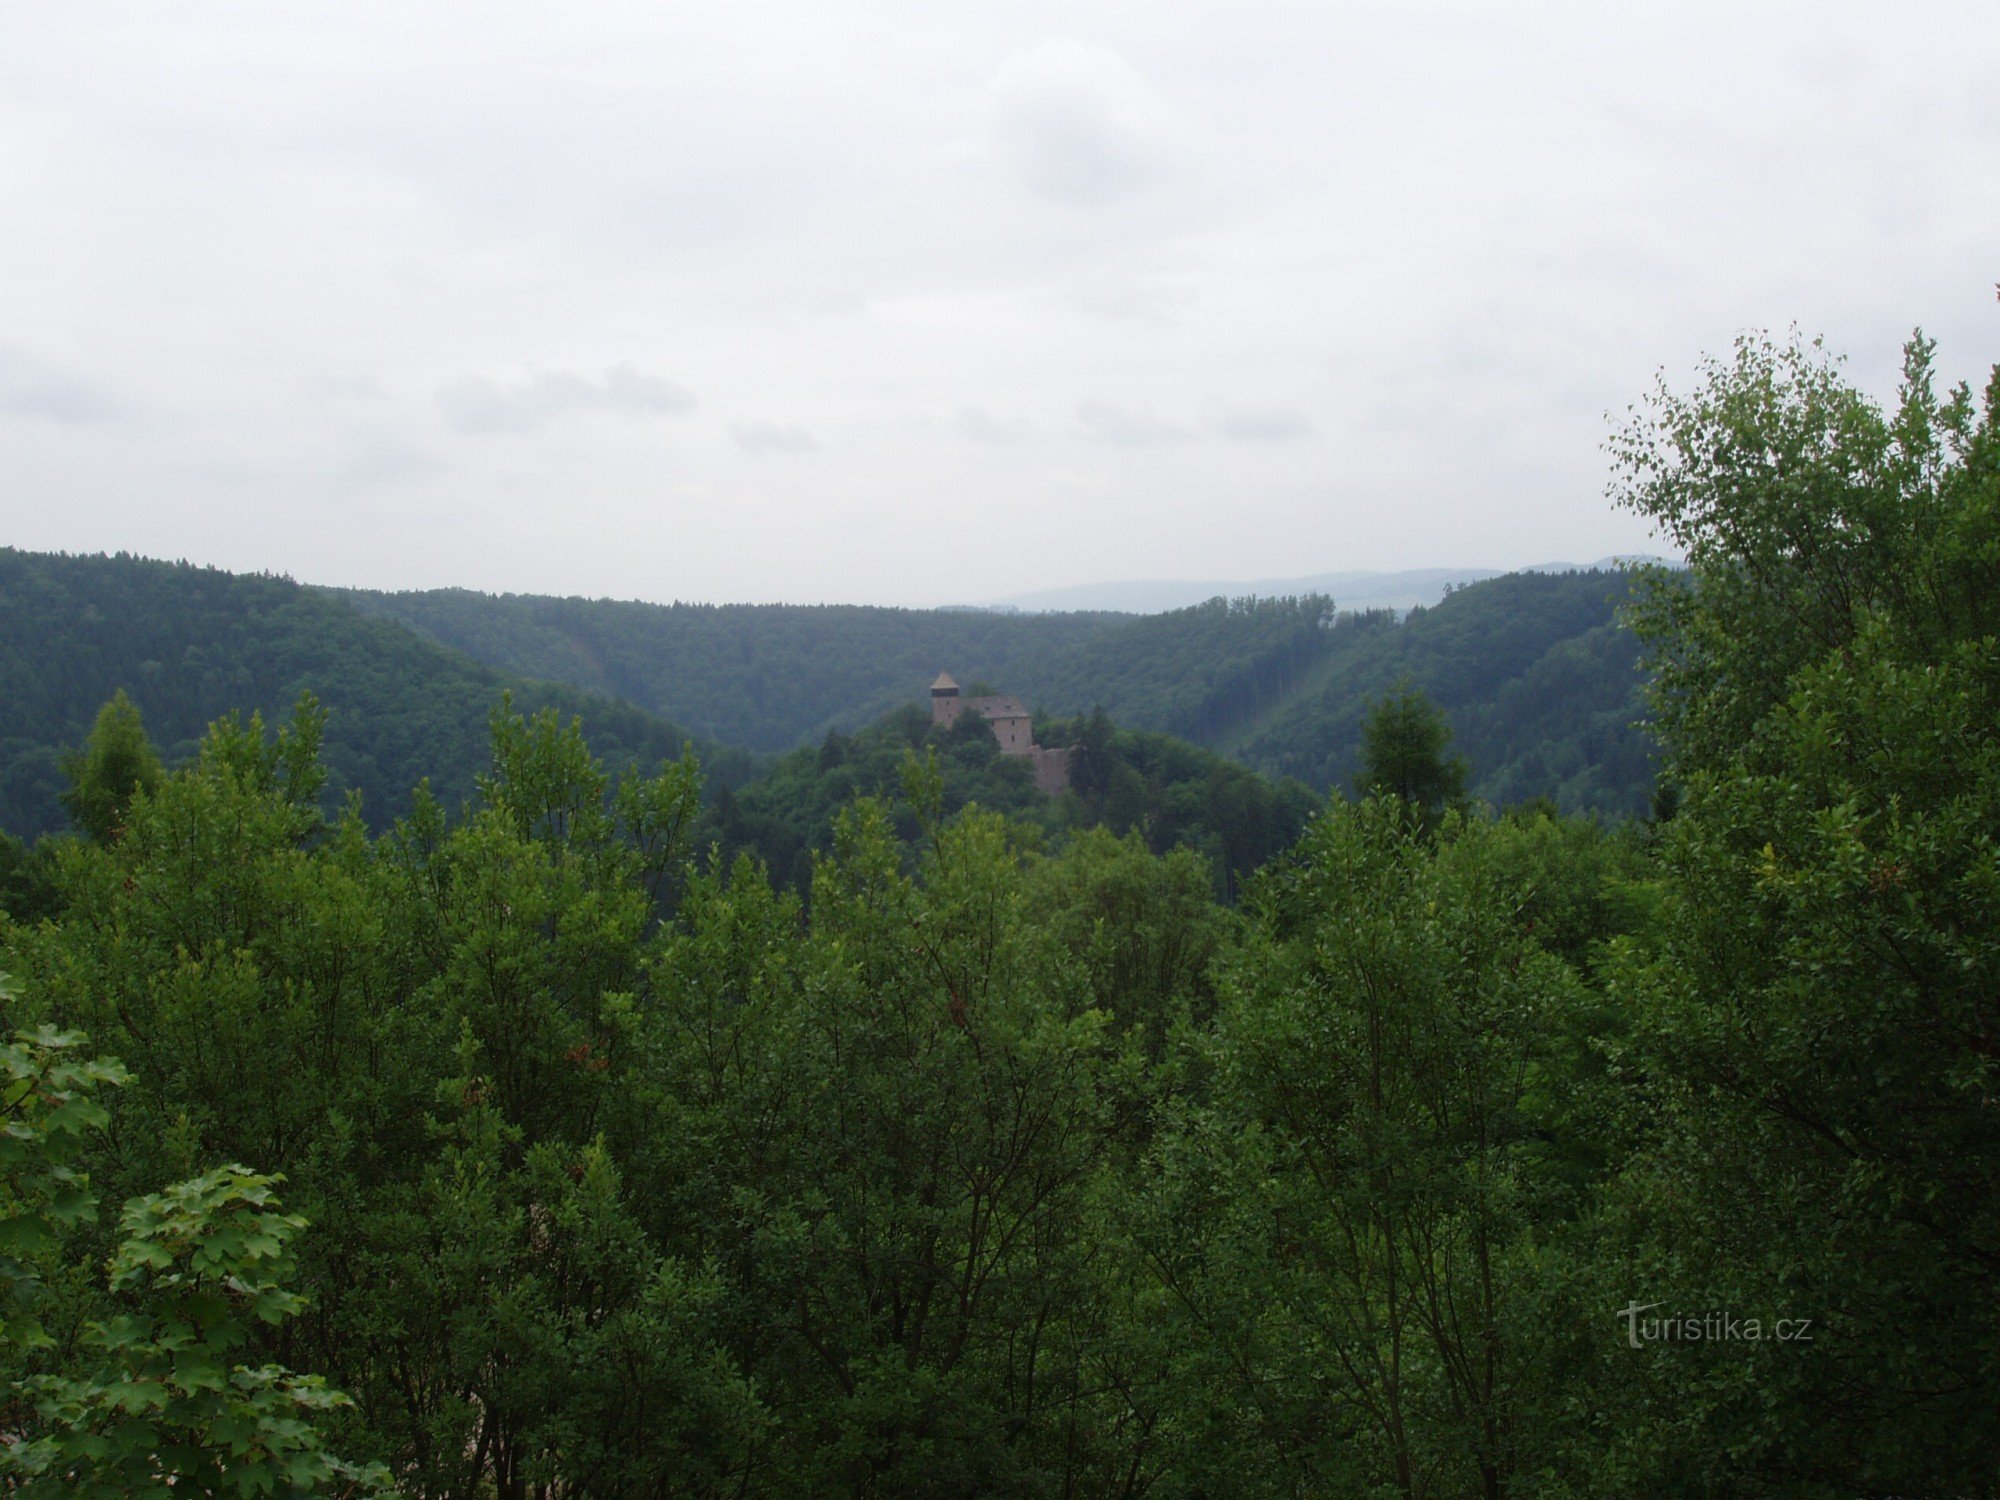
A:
1011,727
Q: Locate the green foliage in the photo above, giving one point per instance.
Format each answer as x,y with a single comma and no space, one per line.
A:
116,763
1539,682
623,1173
934,1136
152,1397
704,1199
187,645
48,1108
27,886
1540,685
1805,512
163,1402
1204,673
1404,755
369,1000
924,1218
1816,1024
1349,1225
1169,793
765,677
1143,927
1536,679
1093,761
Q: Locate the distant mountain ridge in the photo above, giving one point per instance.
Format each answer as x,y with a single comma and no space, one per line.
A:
1359,591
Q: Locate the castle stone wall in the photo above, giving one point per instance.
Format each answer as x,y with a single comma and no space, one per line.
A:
1051,768
1012,727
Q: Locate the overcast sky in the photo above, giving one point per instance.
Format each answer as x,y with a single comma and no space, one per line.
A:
917,303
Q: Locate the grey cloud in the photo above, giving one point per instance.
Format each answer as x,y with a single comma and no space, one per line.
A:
325,387
772,437
1076,124
983,427
475,404
31,387
1127,428
382,456
1265,425
1133,301
867,231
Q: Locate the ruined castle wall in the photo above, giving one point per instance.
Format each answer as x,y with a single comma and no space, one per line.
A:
1051,768
1013,727
1016,736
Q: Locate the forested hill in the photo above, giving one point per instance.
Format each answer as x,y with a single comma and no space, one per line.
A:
1171,794
762,676
1538,682
190,644
774,676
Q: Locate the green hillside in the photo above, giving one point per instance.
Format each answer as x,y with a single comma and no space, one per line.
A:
762,676
770,677
190,644
1538,681
1168,792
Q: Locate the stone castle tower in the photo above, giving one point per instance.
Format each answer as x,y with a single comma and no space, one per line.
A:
1011,725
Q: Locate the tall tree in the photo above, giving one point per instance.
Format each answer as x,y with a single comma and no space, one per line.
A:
1348,1226
116,762
1405,753
1818,1028
1092,759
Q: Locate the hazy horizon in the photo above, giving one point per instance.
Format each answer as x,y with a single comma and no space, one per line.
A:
908,306
1351,589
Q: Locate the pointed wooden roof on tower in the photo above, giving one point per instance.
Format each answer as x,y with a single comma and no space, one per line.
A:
944,684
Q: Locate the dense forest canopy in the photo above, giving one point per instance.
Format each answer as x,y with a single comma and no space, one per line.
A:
188,645
1538,682
399,709
763,676
525,1148
1168,793
1536,677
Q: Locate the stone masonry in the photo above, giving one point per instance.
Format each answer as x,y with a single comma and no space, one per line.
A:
1011,725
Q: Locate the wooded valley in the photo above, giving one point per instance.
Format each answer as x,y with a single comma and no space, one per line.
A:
1372,1077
